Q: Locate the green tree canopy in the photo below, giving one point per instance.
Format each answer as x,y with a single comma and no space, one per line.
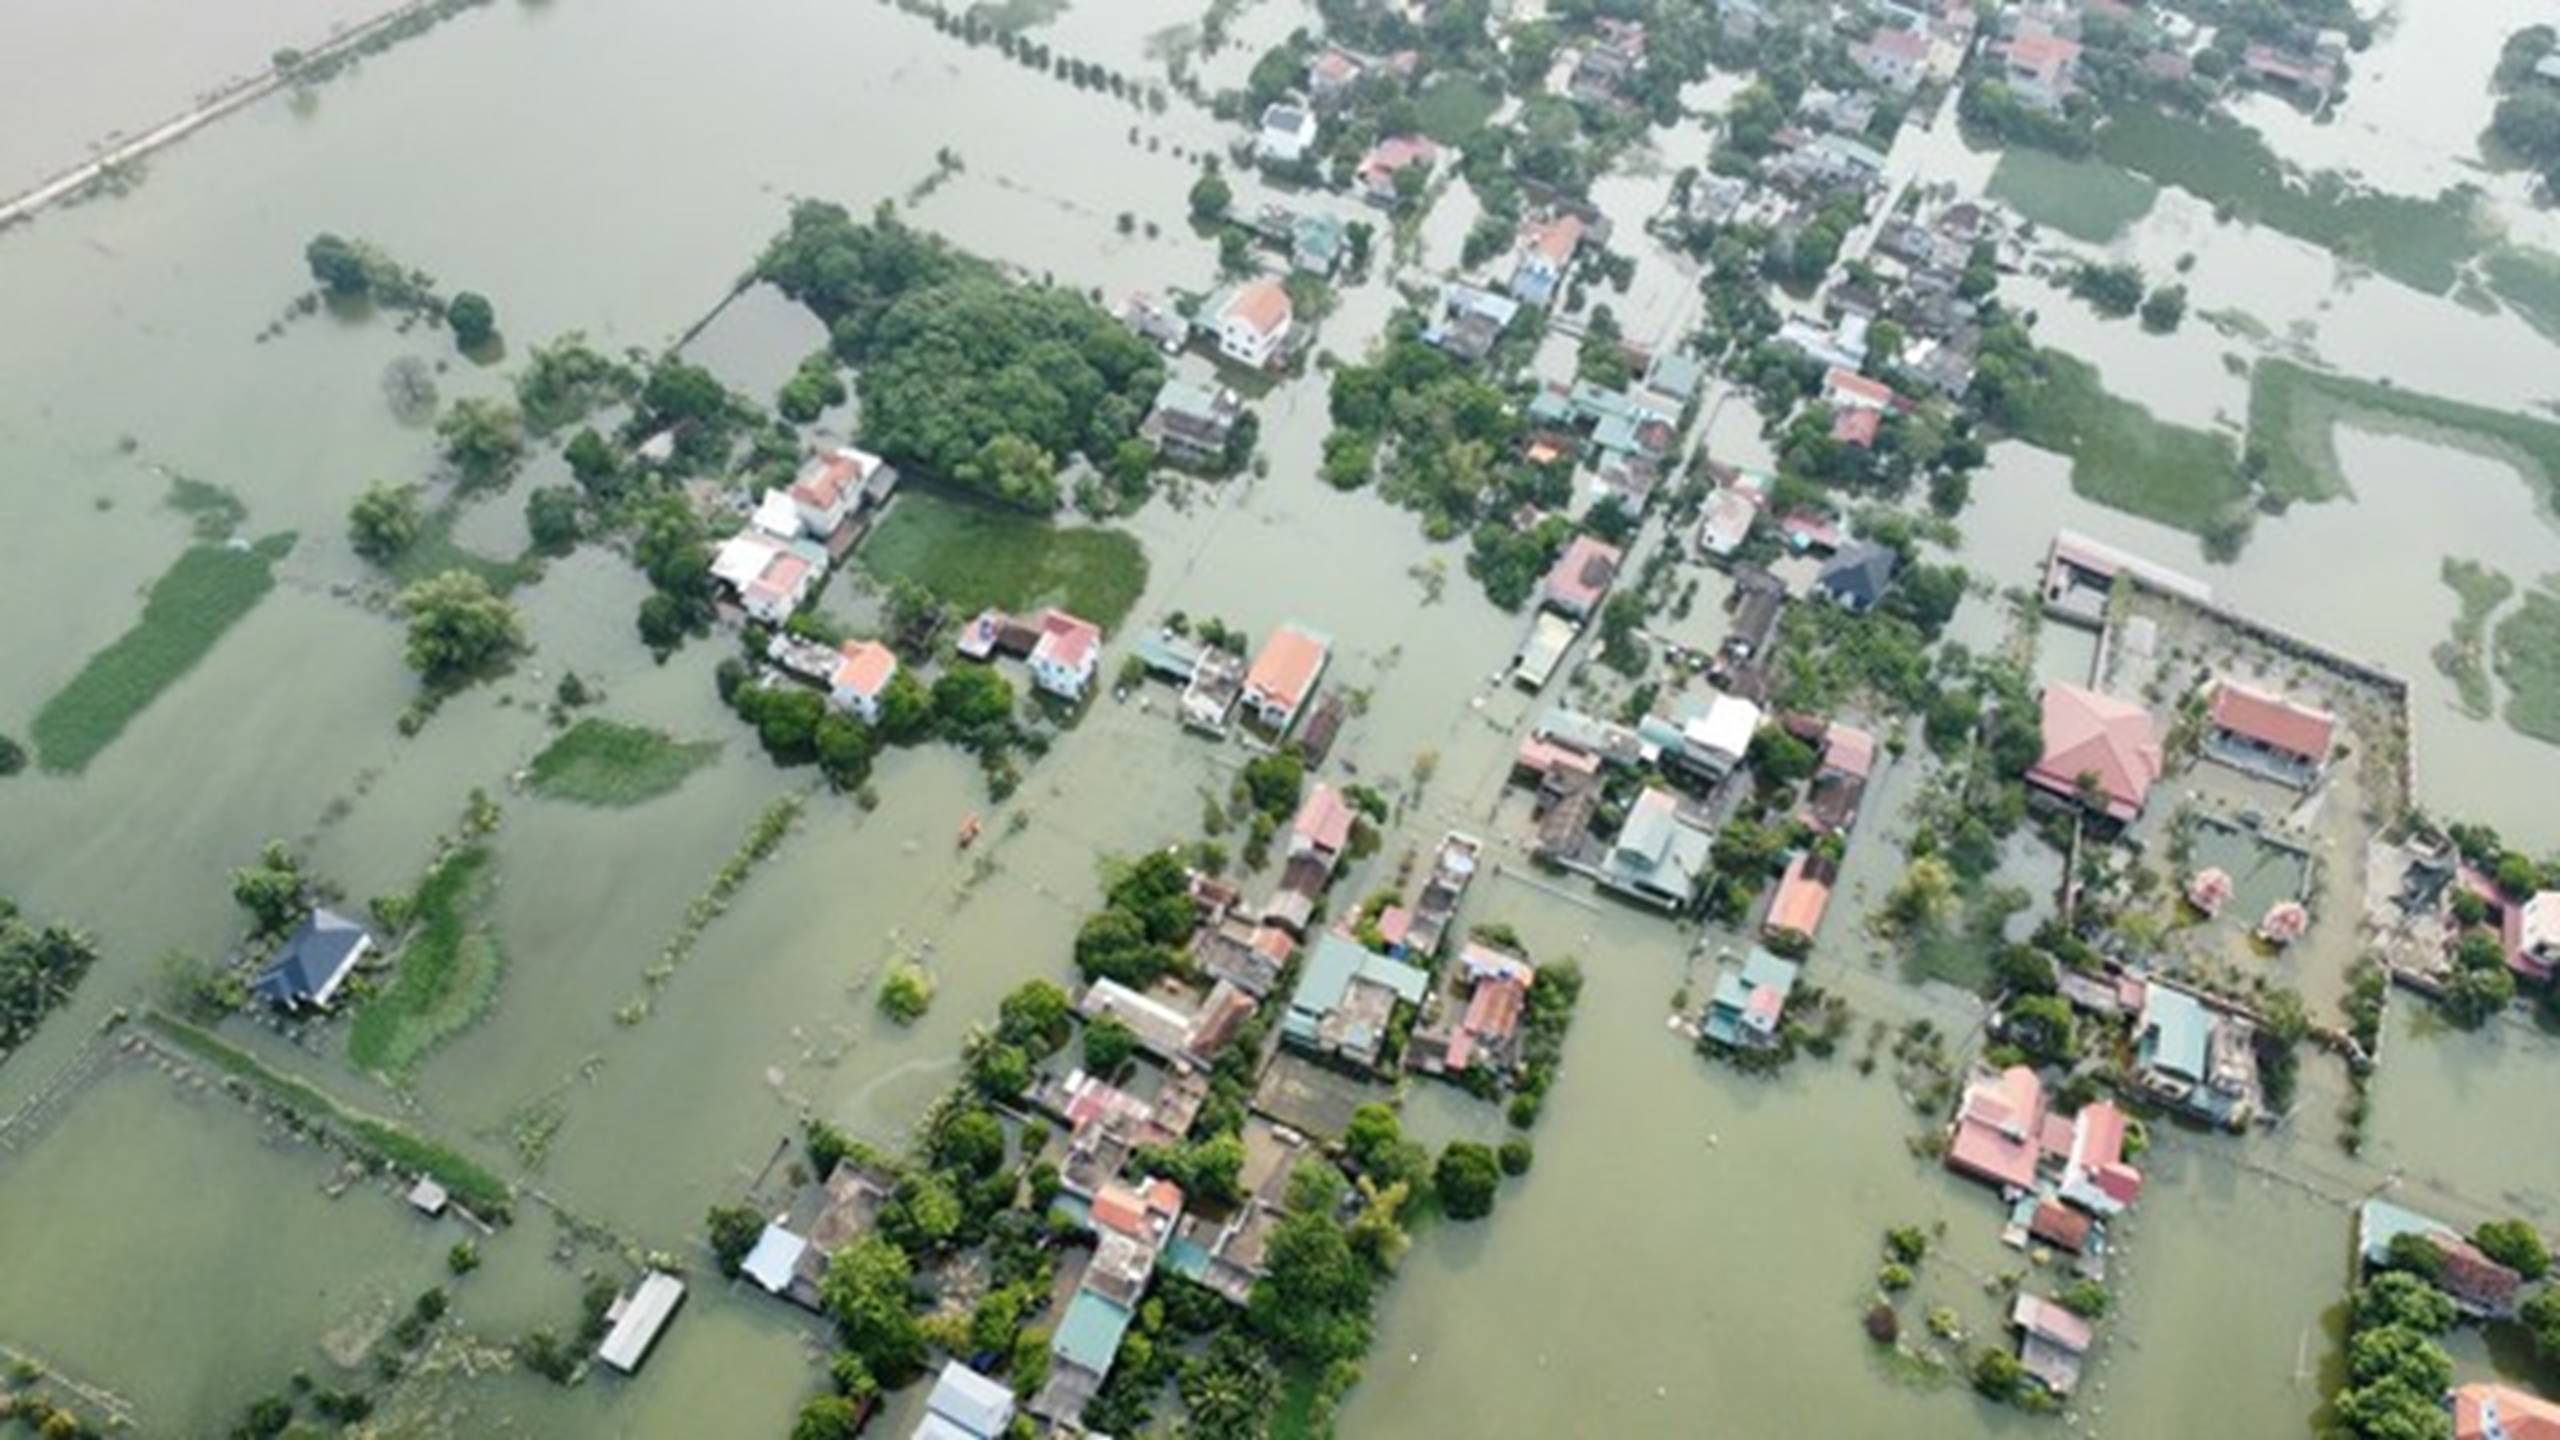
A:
458,627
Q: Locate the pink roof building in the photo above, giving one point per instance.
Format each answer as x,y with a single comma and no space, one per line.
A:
1998,1129
1857,427
2096,1176
2251,725
864,669
1492,1019
2109,740
1849,751
1582,576
1378,168
1067,654
1802,898
1847,389
1323,824
1284,675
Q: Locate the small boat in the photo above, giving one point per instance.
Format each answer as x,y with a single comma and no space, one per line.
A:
969,832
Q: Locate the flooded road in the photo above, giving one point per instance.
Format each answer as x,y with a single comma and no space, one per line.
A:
1693,1247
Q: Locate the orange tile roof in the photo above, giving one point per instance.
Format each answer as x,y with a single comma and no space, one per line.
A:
2093,734
2517,1414
867,666
1287,666
1802,897
2273,720
1263,305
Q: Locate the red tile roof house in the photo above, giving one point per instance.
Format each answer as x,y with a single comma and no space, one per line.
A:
1322,827
1385,160
2108,740
1067,655
1998,1129
1801,899
1857,428
2096,1176
830,488
1284,676
2268,734
864,669
2502,1412
1581,577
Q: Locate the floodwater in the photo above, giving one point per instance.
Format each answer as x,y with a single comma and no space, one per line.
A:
1693,1248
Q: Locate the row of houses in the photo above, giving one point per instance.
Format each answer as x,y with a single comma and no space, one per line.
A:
770,568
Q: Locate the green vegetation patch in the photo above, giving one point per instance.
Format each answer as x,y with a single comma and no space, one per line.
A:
2528,656
2294,412
472,1185
1454,107
2461,657
976,555
602,762
204,594
2084,199
2419,242
2121,454
2529,281
448,972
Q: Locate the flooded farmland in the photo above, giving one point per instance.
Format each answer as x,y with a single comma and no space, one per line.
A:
1694,1247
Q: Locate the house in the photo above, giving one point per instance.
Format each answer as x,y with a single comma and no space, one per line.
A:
1547,248
1998,1135
1322,827
1131,1227
1380,172
1542,648
1469,321
2196,1057
2058,1225
1317,243
2502,1412
1660,852
1346,999
1209,697
1846,389
2481,1287
965,1405
2535,952
832,485
2268,734
1840,783
1857,577
1730,513
1581,577
2095,1175
1803,894
2051,1342
770,578
1857,429
1154,321
1191,423
638,1319
1067,655
1709,737
775,515
314,962
1486,1035
1254,324
863,671
1748,1006
2109,741
2040,67
1288,131
1248,956
1895,59
1284,676
1674,377
1453,869
1331,75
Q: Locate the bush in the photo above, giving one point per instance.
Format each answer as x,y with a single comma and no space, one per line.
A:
1516,1155
1906,1244
1466,1180
906,992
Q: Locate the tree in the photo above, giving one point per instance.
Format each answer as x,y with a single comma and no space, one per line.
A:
734,1232
906,991
971,699
906,710
970,1141
458,627
483,441
551,516
473,318
1781,758
2417,1255
338,264
2541,1315
1312,1301
1108,1045
594,463
1210,196
272,890
1922,899
1466,1180
2043,1026
2396,1352
828,1417
13,757
2396,1297
2514,1244
867,1289
385,521
2112,290
2164,308
2474,995
1036,1016
1997,1374
1113,945
1274,782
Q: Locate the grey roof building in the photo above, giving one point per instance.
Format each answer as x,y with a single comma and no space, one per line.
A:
315,961
1857,577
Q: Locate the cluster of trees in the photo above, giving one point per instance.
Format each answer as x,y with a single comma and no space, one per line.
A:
2397,1371
1137,937
973,28
971,706
460,630
567,380
2527,120
40,965
962,374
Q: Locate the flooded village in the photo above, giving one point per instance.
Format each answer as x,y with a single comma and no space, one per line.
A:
1440,719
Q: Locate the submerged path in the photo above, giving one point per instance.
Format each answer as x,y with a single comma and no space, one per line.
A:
66,183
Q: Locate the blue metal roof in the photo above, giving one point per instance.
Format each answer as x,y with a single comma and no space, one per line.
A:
1088,1335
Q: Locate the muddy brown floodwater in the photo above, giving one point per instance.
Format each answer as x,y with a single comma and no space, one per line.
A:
1692,1251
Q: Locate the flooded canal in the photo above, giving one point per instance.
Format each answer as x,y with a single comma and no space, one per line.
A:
1692,1251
